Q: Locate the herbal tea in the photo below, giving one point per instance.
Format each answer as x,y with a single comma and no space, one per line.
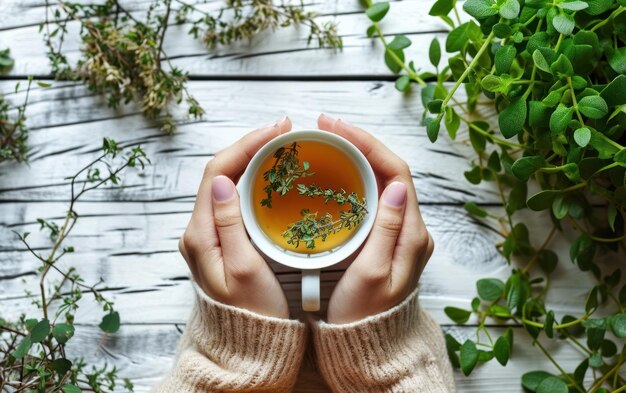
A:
308,197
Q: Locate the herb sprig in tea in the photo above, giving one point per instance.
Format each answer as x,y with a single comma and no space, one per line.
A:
281,177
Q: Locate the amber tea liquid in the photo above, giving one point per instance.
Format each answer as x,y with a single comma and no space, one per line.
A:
333,169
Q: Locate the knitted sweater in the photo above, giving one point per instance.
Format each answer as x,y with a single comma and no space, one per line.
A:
228,349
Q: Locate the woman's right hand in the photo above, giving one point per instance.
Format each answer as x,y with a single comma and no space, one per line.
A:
222,260
390,263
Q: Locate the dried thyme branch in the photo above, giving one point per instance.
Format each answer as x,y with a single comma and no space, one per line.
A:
309,228
123,56
284,172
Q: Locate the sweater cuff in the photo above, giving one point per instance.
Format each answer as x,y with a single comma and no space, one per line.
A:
226,349
401,349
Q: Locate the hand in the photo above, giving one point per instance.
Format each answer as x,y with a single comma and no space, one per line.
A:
394,255
215,244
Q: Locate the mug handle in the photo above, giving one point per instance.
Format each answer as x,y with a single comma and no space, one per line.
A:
311,290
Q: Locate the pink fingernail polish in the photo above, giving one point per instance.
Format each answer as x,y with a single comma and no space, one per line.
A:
395,194
222,188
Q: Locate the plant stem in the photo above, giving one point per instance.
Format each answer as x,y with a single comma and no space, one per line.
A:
469,69
541,248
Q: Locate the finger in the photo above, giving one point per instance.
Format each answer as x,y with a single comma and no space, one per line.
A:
384,161
391,168
379,248
233,239
229,162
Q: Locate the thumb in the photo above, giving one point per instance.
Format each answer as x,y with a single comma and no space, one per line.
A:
389,218
229,226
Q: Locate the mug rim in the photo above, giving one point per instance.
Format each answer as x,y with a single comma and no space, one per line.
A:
302,260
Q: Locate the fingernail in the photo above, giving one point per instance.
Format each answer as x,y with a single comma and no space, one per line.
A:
345,125
282,120
222,188
328,118
395,194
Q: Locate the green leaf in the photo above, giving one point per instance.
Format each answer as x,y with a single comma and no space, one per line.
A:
110,322
582,136
480,9
458,315
548,260
564,23
617,60
43,84
502,30
618,325
613,93
490,289
525,167
468,357
560,119
457,38
441,8
512,119
61,366
501,350
377,11
452,121
432,128
559,207
23,348
504,59
510,9
62,332
593,107
514,297
434,52
562,67
552,385
475,210
542,200
435,106
69,388
40,331
391,59
532,379
403,83
399,42
575,5
541,62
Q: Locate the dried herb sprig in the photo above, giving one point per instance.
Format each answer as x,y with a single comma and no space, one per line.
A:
310,228
123,55
32,349
555,74
281,177
251,17
284,172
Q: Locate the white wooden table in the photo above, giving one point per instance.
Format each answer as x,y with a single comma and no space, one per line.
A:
130,237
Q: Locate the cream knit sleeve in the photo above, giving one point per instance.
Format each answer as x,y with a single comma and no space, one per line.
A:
228,349
399,350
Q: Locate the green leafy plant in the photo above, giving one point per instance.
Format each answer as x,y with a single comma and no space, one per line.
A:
123,55
281,178
32,348
554,72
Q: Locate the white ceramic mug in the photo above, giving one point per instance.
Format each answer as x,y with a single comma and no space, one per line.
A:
309,264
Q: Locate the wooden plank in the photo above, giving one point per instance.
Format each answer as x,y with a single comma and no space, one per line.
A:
144,353
133,246
281,53
71,114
